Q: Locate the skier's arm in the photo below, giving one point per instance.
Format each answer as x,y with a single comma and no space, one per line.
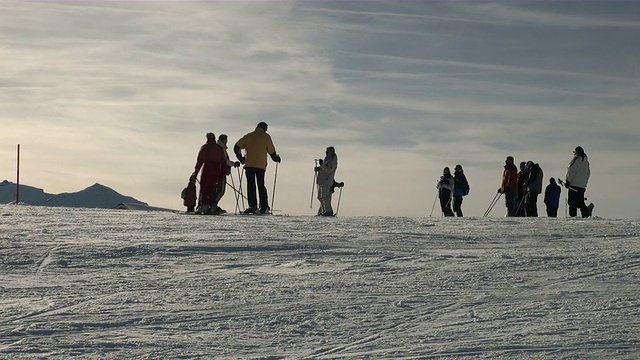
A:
199,161
328,166
571,171
451,184
238,152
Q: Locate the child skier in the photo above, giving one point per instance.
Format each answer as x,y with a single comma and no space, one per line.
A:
189,195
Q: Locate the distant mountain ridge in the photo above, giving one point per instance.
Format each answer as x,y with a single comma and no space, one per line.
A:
95,196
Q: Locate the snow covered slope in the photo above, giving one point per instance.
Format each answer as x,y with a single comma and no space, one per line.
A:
108,284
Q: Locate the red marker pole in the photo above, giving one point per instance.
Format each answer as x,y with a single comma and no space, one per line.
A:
18,178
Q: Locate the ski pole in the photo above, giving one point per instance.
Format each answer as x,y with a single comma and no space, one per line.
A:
236,191
486,212
313,185
493,203
434,205
568,187
240,184
273,193
522,201
233,186
338,206
238,195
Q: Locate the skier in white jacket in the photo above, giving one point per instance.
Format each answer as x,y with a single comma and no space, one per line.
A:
576,180
325,179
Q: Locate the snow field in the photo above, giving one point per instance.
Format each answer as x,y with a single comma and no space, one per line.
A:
108,284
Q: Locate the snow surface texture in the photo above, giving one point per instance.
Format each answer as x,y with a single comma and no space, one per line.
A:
108,284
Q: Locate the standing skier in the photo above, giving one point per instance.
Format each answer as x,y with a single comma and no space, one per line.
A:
221,186
257,146
460,189
523,176
325,180
534,188
445,189
210,160
578,173
552,198
510,185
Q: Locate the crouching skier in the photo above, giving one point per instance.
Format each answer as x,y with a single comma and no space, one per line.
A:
189,195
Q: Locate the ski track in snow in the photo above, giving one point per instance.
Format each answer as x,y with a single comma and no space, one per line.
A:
108,284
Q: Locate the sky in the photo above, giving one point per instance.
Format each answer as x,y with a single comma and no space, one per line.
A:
123,93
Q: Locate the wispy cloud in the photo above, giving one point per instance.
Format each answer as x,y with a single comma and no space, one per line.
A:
123,92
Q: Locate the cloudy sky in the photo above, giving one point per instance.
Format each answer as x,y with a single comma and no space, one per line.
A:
122,93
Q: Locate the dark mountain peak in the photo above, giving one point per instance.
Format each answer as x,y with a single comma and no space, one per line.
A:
95,196
98,187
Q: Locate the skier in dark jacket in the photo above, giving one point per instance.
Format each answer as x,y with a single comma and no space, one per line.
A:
523,176
460,189
534,188
552,198
445,187
189,195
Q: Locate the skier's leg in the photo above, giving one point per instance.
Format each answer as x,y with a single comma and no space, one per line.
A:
262,189
251,188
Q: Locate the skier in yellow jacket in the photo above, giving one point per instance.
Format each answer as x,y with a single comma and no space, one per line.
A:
257,145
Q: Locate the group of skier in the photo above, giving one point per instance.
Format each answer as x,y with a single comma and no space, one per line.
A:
213,165
451,189
521,189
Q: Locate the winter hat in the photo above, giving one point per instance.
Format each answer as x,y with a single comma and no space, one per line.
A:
263,125
211,137
579,150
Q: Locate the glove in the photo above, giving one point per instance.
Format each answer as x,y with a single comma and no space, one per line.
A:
499,190
566,184
320,162
317,168
277,158
242,159
236,164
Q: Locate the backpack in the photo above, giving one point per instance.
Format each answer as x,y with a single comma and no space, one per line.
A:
183,194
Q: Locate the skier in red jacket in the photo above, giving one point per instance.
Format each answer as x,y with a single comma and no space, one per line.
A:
510,185
210,159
